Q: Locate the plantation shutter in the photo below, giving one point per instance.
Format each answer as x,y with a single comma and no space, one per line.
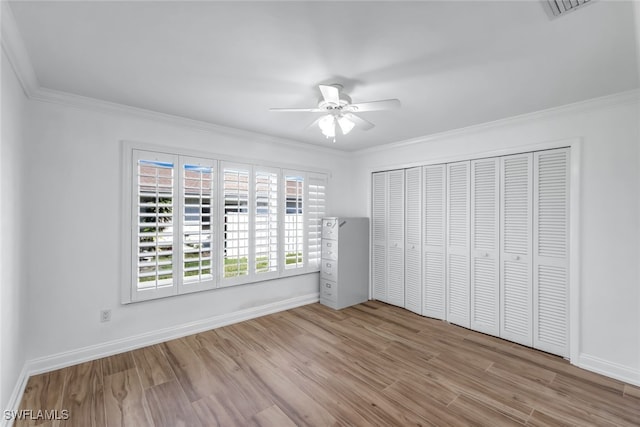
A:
294,224
515,260
395,238
458,243
154,235
551,251
235,221
485,226
434,182
379,235
197,180
413,240
266,224
316,210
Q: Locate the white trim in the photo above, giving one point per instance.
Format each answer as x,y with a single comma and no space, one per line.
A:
482,154
72,357
17,52
575,160
84,102
615,99
13,404
609,369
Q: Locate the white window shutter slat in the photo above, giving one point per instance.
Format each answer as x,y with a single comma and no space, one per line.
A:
197,224
458,221
235,224
413,240
550,251
266,208
379,235
434,217
316,210
154,225
395,238
295,210
516,246
485,226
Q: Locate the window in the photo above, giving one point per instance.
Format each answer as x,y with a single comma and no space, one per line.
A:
198,178
266,221
195,226
294,221
235,182
316,203
154,238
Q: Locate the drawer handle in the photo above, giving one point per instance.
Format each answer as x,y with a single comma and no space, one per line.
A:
328,285
329,265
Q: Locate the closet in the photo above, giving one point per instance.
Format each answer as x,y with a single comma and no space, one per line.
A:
388,237
481,243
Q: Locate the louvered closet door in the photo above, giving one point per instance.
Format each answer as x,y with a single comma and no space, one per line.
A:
434,226
551,251
458,243
379,236
413,237
395,238
485,226
516,248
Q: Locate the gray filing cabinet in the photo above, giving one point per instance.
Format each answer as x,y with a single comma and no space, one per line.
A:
344,271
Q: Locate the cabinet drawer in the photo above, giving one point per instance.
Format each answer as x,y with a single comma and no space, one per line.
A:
329,269
328,290
329,249
330,228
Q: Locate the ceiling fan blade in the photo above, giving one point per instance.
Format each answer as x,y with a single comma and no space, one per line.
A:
330,94
297,110
346,124
359,121
314,123
385,104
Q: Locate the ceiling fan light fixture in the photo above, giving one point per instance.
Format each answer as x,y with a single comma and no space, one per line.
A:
327,125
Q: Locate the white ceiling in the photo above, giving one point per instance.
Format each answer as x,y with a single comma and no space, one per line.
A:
451,63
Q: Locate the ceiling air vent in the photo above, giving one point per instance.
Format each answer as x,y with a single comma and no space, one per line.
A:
561,7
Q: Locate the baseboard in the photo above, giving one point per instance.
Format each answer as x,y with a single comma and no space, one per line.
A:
14,401
73,357
609,369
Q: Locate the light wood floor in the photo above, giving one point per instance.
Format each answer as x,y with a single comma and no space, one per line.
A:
371,364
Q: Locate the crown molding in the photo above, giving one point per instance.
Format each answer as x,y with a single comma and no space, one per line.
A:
83,102
621,98
16,51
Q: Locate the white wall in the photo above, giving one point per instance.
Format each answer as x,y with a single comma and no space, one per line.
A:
13,282
73,211
609,212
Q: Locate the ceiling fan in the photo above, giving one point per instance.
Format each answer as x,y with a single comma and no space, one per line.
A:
340,113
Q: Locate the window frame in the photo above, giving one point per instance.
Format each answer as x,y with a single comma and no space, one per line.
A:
180,157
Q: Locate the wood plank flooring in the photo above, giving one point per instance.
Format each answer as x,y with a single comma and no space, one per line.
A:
371,364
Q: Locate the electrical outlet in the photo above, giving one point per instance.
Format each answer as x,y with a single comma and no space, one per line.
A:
105,315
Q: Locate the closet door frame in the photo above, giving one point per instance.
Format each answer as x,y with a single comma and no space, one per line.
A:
575,145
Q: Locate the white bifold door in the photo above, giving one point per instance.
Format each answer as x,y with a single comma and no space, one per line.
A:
516,320
434,235
413,240
485,245
551,251
379,235
458,212
388,212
